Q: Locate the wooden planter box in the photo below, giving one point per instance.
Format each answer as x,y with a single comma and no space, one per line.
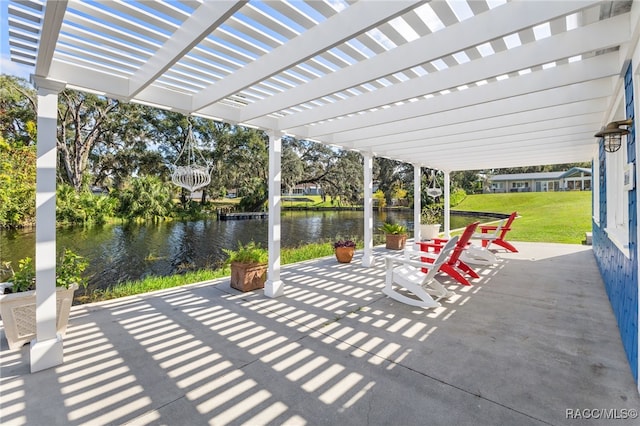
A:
248,276
18,311
396,241
344,254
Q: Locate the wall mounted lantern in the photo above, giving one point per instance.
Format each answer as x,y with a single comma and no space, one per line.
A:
612,134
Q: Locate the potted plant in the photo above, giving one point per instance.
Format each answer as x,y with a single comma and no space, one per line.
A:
18,297
344,250
395,234
248,266
430,222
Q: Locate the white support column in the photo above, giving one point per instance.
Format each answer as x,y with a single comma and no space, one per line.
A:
447,203
367,258
417,201
46,348
274,287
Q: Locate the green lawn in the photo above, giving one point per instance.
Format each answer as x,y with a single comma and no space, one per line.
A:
302,201
557,217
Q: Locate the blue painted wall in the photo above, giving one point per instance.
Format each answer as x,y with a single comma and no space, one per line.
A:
620,274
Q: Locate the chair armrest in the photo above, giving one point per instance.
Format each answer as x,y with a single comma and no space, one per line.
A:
390,260
440,241
435,246
486,228
409,253
485,237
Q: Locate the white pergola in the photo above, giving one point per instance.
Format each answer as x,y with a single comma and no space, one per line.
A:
450,85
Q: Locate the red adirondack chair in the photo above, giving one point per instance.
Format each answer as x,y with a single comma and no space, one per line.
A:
494,234
453,266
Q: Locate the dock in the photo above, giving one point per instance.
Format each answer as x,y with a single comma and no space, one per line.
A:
242,216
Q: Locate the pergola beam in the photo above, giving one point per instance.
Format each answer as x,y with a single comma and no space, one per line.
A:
561,114
596,68
515,15
51,24
358,18
595,37
207,17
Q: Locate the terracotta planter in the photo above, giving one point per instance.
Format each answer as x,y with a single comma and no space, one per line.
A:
248,276
18,311
429,231
345,254
396,241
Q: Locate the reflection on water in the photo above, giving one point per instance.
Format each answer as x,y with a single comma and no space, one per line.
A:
120,252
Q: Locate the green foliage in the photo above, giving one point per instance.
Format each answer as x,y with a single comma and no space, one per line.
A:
392,176
70,268
399,192
18,106
468,180
432,214
338,172
393,228
246,165
457,196
69,271
82,207
306,252
145,198
190,210
256,196
17,185
152,283
85,121
24,279
125,147
251,252
379,195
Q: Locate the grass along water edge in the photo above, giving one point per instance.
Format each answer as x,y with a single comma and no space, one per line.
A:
153,283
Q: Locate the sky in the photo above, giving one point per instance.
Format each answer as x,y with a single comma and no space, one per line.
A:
6,66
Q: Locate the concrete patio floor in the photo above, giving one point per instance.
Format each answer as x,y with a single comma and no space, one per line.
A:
530,340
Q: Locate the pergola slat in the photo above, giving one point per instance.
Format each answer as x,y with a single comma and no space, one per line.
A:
351,74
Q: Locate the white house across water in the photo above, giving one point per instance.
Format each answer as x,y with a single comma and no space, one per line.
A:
574,179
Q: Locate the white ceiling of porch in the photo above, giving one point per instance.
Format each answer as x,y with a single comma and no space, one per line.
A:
452,85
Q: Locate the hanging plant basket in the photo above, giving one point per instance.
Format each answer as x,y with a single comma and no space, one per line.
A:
191,177
433,190
194,172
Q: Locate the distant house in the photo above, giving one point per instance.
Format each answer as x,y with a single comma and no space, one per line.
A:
306,189
574,179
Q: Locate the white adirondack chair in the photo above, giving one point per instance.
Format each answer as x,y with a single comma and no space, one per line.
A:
478,256
417,276
489,235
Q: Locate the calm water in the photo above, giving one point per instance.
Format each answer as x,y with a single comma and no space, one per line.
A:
119,252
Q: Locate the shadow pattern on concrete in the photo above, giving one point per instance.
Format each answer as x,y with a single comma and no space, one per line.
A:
533,338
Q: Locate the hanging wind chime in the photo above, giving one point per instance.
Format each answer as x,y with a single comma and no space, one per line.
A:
433,190
195,171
